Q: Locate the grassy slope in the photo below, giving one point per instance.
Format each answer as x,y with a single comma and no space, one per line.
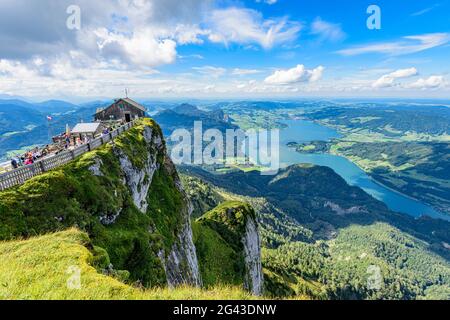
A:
39,268
217,237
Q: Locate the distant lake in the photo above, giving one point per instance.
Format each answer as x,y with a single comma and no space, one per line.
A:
305,131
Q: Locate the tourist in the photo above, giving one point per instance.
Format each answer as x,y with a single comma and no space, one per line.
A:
14,163
67,145
29,160
36,154
45,151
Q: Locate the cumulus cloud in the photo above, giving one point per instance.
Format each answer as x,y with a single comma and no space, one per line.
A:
327,30
388,80
142,49
146,37
432,82
247,26
135,34
406,45
295,75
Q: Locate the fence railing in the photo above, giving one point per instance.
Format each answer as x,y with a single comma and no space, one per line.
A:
22,174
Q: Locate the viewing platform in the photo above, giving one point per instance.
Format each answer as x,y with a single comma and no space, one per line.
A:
22,174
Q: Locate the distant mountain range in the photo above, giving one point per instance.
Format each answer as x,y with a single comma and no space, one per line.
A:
184,116
24,124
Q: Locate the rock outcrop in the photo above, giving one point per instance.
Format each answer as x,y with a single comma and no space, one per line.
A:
229,247
252,255
180,260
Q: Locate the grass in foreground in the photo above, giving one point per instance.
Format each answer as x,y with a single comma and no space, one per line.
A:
47,268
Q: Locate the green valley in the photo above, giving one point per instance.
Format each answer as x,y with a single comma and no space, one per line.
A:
321,237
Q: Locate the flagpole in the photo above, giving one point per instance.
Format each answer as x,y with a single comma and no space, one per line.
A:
48,129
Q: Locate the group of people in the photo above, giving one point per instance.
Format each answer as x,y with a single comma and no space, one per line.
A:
78,141
35,154
29,157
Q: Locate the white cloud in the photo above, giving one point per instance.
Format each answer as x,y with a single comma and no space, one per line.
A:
407,45
122,42
137,33
192,56
211,71
244,72
327,31
295,75
426,10
432,82
316,74
141,49
246,26
269,2
388,80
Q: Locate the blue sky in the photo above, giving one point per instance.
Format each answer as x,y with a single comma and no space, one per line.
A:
224,49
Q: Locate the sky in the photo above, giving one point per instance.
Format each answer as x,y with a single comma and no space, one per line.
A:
84,49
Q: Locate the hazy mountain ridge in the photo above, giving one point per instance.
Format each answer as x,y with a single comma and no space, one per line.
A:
185,115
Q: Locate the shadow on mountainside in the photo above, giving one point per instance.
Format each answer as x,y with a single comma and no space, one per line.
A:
319,199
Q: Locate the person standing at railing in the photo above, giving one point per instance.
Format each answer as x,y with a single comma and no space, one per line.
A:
67,140
45,151
14,163
29,160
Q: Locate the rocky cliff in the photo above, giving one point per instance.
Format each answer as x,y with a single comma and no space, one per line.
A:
252,256
129,199
229,246
179,260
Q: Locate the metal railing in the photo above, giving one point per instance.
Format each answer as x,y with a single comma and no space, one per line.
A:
22,174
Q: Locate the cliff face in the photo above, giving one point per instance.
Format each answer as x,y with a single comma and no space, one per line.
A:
229,246
127,196
179,260
252,255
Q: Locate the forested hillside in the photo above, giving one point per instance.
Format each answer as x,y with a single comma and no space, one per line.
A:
325,239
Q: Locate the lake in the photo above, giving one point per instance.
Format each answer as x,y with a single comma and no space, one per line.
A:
305,131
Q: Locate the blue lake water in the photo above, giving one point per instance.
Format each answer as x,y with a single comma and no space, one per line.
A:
305,131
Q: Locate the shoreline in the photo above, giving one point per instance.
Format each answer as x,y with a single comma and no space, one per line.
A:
442,215
337,129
